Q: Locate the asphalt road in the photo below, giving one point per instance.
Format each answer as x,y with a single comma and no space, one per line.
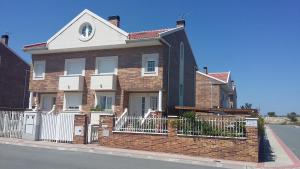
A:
290,135
16,157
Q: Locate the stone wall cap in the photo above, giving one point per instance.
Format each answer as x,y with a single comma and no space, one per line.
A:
251,118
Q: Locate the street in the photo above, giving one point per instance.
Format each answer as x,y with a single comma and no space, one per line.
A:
16,157
290,135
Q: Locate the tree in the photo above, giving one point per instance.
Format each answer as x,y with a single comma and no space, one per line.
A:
247,106
292,116
272,114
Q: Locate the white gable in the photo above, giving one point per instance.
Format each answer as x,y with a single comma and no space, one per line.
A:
105,33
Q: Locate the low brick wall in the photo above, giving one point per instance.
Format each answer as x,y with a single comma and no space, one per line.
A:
80,129
245,149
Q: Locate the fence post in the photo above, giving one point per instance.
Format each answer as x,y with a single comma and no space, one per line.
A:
80,129
106,124
31,125
252,138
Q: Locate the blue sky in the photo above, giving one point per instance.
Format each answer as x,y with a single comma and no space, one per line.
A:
258,40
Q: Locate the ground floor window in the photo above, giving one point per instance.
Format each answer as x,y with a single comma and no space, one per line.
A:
73,101
153,102
104,101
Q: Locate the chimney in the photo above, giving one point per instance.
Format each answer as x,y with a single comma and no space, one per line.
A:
115,20
4,39
206,69
180,23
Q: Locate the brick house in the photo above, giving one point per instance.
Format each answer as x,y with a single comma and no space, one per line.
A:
14,77
215,90
92,64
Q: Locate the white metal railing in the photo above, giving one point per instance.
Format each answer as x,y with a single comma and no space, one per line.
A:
146,115
11,124
212,126
119,122
151,125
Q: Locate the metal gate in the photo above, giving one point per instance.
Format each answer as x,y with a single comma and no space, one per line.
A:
57,128
11,124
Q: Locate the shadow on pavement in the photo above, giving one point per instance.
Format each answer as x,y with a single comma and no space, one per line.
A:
266,154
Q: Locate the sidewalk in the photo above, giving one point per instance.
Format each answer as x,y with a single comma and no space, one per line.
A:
281,155
283,159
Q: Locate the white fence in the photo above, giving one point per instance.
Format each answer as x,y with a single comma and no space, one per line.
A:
11,124
233,127
140,125
57,128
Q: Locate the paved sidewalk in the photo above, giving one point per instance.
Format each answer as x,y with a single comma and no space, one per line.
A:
283,158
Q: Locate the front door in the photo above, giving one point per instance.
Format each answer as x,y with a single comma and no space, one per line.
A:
47,101
137,105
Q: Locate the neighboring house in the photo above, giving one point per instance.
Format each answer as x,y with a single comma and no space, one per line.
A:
92,64
14,77
215,90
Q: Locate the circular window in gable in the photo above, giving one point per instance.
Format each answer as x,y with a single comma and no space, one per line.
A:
86,31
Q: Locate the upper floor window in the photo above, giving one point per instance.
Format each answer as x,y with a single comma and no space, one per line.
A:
150,64
75,66
39,70
106,65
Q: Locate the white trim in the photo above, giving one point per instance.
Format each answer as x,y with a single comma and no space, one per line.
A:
43,62
170,31
115,58
204,74
145,59
86,11
67,61
160,100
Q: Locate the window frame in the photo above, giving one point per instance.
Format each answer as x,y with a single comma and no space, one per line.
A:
145,59
35,63
69,61
99,59
77,94
106,94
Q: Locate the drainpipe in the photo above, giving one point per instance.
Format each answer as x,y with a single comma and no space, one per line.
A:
25,87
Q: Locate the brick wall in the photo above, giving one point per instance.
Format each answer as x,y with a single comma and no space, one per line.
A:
220,148
207,94
14,79
129,74
81,122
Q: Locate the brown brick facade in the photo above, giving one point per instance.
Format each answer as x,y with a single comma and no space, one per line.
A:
80,122
220,148
209,93
14,79
129,77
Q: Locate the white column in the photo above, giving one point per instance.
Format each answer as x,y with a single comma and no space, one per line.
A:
30,100
160,100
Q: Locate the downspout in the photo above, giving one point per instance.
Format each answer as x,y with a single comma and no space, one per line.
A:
25,87
169,56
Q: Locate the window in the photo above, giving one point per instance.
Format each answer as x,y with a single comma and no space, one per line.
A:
106,65
38,70
104,101
75,66
86,31
73,101
153,102
150,64
143,106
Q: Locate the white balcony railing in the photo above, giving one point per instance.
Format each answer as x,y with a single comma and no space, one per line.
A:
71,83
103,82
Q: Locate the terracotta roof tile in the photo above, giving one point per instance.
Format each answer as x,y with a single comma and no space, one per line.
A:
221,75
146,34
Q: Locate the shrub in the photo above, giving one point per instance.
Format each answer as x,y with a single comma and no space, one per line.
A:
292,116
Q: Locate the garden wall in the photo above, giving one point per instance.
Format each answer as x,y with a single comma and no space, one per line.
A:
241,149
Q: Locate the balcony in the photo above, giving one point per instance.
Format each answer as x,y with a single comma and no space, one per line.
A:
71,83
103,82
